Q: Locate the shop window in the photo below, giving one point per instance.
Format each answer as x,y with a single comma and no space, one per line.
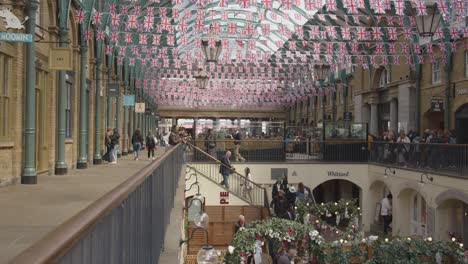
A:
436,73
68,110
5,97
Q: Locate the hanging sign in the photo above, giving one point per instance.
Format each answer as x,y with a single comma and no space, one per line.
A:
129,100
113,89
139,107
437,105
223,197
15,37
60,58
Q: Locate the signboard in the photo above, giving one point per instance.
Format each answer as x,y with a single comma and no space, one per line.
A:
60,58
223,197
129,100
15,37
113,89
348,116
139,107
338,173
461,91
437,105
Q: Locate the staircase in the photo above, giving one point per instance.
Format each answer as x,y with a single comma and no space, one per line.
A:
237,181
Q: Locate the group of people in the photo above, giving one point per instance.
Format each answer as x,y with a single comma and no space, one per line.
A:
150,143
411,150
286,195
112,141
210,144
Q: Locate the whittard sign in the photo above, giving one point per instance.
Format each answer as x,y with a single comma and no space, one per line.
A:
338,174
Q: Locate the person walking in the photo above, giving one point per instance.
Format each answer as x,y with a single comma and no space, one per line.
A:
211,143
107,140
226,168
248,184
386,211
137,141
237,142
150,145
115,138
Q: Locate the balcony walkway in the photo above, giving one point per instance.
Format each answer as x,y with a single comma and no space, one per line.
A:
29,212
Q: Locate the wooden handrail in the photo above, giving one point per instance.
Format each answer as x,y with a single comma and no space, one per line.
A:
59,241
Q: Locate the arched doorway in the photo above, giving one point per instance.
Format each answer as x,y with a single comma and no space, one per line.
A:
452,214
378,191
413,213
461,124
334,190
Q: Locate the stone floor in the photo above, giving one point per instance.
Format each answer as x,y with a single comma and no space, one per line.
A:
29,212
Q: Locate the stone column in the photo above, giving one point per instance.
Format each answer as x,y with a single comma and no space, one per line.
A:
394,115
60,164
374,119
83,132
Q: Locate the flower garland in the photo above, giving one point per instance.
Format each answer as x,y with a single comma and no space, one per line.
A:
307,235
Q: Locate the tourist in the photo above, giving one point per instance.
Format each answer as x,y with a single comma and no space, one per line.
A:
211,143
276,188
280,204
303,193
107,140
150,145
237,142
291,196
174,137
386,212
240,225
403,148
226,168
137,142
248,185
115,138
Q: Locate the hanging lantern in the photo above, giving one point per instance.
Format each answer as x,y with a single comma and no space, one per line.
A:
202,79
212,49
427,24
321,71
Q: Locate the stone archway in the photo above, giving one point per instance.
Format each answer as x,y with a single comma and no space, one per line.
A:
336,189
452,216
377,191
412,214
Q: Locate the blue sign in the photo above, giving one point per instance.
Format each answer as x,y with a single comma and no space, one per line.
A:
129,100
15,37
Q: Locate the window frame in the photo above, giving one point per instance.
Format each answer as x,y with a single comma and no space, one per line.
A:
5,96
436,73
383,82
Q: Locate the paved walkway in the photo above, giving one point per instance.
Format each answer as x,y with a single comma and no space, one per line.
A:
29,212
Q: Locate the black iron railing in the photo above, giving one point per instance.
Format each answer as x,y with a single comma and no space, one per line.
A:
127,225
451,159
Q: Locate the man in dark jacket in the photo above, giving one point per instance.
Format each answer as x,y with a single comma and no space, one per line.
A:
226,168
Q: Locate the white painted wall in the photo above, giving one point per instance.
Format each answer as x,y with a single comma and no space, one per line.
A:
211,191
373,184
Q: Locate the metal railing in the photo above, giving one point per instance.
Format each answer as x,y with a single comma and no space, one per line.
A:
127,225
279,150
451,159
237,182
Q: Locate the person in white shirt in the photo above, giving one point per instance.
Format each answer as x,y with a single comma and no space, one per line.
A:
248,184
386,211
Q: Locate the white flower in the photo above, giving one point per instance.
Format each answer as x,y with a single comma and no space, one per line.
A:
341,241
461,245
429,239
373,238
346,241
317,221
242,229
386,239
231,249
346,203
307,204
363,240
453,239
409,238
321,204
314,233
359,208
336,204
